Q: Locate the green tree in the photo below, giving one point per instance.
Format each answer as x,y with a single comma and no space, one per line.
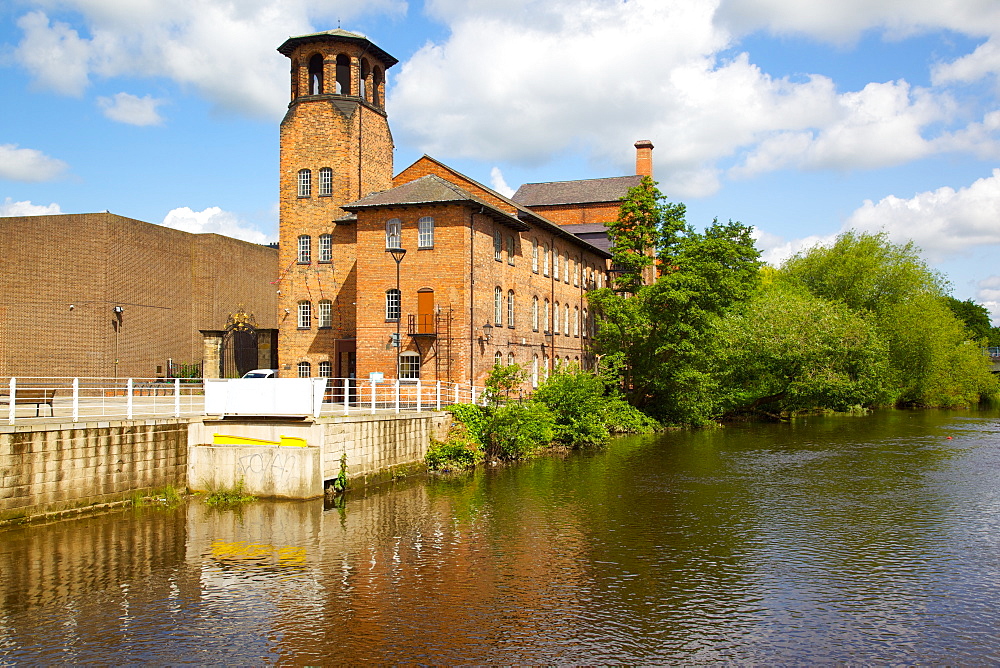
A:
975,316
788,350
931,361
659,336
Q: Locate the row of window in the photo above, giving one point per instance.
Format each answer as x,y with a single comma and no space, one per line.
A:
324,314
305,182
325,249
551,314
570,266
394,233
498,360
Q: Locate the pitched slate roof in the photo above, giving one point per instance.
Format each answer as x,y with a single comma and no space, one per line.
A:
292,43
585,191
433,189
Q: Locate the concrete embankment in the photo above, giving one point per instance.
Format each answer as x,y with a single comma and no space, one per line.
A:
55,467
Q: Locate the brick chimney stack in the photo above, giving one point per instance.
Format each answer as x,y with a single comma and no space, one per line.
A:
644,158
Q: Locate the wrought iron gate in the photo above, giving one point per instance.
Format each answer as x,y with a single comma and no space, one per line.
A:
239,346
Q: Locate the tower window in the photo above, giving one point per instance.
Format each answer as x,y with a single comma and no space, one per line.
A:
325,314
343,86
326,248
392,304
363,79
305,183
305,249
377,81
316,75
305,370
425,232
325,182
409,366
305,315
393,233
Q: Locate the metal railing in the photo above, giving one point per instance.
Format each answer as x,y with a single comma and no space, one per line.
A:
34,399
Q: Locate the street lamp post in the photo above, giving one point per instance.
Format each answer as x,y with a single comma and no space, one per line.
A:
397,255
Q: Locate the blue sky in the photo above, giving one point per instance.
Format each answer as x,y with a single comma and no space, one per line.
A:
801,119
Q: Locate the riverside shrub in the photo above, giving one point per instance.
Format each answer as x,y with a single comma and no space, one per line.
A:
517,431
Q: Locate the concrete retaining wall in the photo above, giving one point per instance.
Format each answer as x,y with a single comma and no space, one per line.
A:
53,467
266,471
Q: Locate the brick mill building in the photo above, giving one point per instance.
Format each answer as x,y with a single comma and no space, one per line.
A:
482,278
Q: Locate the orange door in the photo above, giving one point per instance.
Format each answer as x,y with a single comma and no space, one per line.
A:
425,312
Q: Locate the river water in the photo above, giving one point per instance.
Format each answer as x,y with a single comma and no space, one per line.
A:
869,539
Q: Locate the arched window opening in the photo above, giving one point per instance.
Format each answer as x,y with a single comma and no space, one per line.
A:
547,315
304,369
305,183
325,370
295,78
343,86
534,255
586,322
545,260
534,313
510,359
305,249
325,314
393,233
325,182
498,306
326,248
497,246
555,320
392,304
510,249
566,322
377,81
363,80
497,358
558,258
510,308
534,371
576,321
409,366
316,75
566,269
305,315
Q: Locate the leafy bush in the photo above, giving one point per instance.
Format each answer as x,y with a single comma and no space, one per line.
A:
621,417
516,431
459,452
229,498
576,400
472,417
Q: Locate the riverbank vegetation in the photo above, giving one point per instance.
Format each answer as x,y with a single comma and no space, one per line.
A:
858,324
570,409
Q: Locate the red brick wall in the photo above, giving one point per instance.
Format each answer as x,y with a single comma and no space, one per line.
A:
577,214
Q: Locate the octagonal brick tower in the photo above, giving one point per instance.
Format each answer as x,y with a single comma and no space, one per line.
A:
336,147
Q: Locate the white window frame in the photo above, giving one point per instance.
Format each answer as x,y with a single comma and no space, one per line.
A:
555,266
305,183
586,323
566,269
510,359
576,321
534,313
555,320
325,369
425,232
548,314
534,371
545,260
324,314
305,315
497,358
498,306
325,248
409,366
497,245
576,274
304,369
305,249
325,182
393,304
510,249
510,309
534,255
566,319
394,233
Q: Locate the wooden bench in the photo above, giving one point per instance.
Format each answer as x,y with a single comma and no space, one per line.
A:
32,396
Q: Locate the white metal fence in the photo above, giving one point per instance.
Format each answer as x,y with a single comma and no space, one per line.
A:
33,399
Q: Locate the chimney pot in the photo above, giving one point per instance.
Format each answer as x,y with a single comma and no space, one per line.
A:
644,158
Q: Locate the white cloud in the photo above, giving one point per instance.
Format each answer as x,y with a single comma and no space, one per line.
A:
972,67
775,250
845,20
127,108
498,183
943,222
213,220
28,164
225,49
988,295
12,208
